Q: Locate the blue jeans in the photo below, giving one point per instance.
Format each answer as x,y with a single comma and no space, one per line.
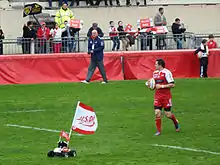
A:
143,41
116,42
69,45
179,43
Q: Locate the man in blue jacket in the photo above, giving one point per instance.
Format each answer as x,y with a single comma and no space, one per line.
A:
96,49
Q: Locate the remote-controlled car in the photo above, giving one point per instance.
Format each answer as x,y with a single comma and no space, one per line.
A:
62,151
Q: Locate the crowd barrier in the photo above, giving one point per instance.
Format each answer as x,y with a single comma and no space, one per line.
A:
140,65
31,69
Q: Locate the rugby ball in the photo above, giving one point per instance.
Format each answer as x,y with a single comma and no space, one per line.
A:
199,55
151,83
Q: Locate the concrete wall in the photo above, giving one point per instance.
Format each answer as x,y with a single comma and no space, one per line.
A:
198,18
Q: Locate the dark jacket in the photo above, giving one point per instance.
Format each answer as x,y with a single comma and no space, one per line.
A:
121,32
177,31
1,35
203,50
97,49
72,32
29,33
100,33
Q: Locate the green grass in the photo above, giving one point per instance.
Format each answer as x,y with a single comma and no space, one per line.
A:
126,123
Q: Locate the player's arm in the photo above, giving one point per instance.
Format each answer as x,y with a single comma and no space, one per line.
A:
197,51
170,80
170,85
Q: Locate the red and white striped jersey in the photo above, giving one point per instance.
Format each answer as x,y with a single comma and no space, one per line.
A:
163,77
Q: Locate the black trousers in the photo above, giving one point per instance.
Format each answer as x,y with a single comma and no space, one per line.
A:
160,41
26,46
203,67
90,2
73,1
1,48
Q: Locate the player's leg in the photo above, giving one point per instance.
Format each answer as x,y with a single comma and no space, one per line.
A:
157,111
169,114
205,67
201,67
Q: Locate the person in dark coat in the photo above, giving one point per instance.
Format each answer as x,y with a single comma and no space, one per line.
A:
68,39
95,27
178,32
96,50
203,53
123,36
29,34
1,42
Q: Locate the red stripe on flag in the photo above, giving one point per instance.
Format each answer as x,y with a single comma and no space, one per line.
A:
86,107
80,131
65,135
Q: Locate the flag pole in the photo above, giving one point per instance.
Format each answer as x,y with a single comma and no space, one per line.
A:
60,137
72,123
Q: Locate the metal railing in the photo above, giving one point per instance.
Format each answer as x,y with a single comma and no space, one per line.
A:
80,44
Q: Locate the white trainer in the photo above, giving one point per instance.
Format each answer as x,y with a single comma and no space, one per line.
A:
85,82
103,82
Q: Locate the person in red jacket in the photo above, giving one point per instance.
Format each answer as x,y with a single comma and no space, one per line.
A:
43,36
113,34
211,43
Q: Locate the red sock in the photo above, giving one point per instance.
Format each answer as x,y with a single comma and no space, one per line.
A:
174,119
158,124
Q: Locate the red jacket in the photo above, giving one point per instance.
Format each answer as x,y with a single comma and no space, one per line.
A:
113,32
43,34
212,44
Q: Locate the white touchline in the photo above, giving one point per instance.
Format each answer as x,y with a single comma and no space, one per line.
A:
26,111
36,128
187,149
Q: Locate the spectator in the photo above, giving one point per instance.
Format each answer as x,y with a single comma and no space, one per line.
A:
1,42
29,34
145,2
72,3
113,34
57,40
178,30
211,43
146,37
89,2
203,53
60,3
106,2
68,39
64,14
96,49
122,36
128,2
43,35
95,27
160,20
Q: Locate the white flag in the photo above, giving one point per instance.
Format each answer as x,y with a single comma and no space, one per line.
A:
85,120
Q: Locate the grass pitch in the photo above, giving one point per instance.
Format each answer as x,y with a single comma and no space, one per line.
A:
126,123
